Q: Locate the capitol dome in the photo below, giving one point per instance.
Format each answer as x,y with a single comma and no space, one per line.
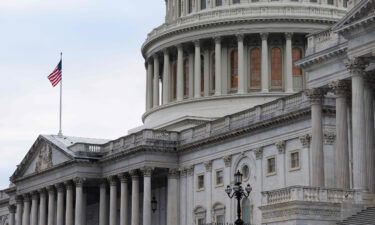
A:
257,43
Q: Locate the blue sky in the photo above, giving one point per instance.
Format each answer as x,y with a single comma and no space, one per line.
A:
103,70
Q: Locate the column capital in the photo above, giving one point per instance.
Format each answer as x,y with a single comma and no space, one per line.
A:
329,138
19,199
112,180
227,160
123,177
173,173
357,66
51,189
134,173
183,172
35,195
258,152
12,209
197,43
190,170
208,165
147,171
42,191
305,140
315,95
264,36
60,187
79,181
240,37
280,145
341,88
288,35
179,47
165,51
69,185
26,198
217,39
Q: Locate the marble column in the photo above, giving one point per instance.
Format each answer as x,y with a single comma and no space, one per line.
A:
206,71
227,174
191,75
208,190
51,205
183,197
147,171
12,212
305,142
265,83
190,193
242,81
180,73
135,197
19,213
288,62
103,210
34,208
124,217
79,201
155,88
26,210
341,160
370,138
69,203
356,68
166,77
316,96
197,69
42,207
60,204
172,199
217,65
112,200
149,85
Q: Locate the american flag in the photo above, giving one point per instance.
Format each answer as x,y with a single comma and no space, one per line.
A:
56,76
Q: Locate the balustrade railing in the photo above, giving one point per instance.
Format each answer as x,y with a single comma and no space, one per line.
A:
323,40
309,194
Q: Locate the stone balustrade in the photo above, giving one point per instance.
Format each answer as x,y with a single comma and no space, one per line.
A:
309,194
323,40
297,9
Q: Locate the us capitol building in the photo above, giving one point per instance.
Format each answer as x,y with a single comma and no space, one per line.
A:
280,90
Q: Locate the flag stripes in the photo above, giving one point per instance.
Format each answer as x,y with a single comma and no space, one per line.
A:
56,76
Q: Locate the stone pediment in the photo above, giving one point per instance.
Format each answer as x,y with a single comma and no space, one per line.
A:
42,156
364,10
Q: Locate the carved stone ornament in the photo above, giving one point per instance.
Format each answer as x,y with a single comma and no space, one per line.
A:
305,140
208,166
173,173
183,172
288,35
315,95
147,171
190,170
280,145
123,177
341,88
12,209
357,65
258,153
264,36
79,181
329,138
44,160
134,173
227,160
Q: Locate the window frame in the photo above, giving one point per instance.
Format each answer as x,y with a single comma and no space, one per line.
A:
249,72
204,183
276,88
212,72
245,179
230,88
290,160
271,173
216,184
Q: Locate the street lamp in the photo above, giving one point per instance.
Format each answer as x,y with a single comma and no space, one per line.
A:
154,204
238,193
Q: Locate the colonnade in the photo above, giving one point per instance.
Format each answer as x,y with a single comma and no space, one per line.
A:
153,98
42,208
354,95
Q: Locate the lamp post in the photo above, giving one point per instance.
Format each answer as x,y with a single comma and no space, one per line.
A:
154,204
238,193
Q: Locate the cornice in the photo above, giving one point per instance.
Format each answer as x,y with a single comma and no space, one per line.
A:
324,55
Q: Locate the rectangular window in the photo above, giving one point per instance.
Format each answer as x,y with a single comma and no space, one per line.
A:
271,165
201,221
220,220
236,1
219,177
203,4
200,182
219,3
294,160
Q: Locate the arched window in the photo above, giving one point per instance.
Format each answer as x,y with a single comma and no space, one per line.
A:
219,3
246,211
186,77
234,69
255,68
276,68
174,79
202,73
190,6
203,4
213,69
296,55
200,215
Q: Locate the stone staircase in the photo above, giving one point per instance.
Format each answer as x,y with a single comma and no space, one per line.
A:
364,217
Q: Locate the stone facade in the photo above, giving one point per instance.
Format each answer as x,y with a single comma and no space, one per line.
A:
304,143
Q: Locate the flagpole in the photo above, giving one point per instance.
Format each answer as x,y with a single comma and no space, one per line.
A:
60,129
